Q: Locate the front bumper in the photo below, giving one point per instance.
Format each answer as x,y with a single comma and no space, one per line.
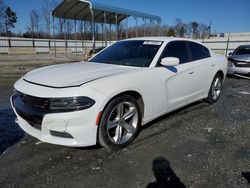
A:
238,70
73,129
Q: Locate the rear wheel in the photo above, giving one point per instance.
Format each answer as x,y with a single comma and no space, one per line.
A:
215,89
120,123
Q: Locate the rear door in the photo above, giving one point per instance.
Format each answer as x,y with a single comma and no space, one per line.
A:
203,68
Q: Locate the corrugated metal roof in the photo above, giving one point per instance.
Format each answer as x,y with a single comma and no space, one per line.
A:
81,10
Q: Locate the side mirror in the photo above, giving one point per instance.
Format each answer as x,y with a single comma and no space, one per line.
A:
230,54
170,61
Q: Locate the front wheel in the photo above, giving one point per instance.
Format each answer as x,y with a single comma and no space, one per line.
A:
215,89
120,123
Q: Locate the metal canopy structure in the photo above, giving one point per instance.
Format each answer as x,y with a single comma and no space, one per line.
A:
85,10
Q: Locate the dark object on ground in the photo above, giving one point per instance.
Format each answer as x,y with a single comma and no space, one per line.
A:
10,132
246,175
164,175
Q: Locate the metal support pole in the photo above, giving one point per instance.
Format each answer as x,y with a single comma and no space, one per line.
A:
102,34
93,29
75,39
116,22
110,36
65,37
33,43
9,42
54,35
84,31
227,44
126,26
82,25
105,29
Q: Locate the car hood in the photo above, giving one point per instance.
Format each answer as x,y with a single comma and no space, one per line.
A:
73,74
245,58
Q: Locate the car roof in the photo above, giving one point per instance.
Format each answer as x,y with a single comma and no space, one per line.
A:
164,39
244,46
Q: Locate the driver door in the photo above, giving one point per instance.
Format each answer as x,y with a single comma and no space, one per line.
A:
178,86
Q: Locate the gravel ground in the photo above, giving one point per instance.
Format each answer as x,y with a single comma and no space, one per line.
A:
197,146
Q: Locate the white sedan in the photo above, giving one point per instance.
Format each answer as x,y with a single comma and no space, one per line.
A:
107,99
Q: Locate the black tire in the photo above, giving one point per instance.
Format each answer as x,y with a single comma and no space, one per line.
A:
105,132
214,94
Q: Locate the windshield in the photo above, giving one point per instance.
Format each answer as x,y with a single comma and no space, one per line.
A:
242,51
138,53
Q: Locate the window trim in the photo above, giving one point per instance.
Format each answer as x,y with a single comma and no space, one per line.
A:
133,40
158,64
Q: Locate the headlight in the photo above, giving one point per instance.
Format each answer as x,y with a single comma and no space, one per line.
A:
70,104
229,63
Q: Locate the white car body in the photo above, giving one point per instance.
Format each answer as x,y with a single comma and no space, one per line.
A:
161,90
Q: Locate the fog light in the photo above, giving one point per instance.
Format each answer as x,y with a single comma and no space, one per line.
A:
61,134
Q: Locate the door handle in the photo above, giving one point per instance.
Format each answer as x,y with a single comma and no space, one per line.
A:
213,65
192,72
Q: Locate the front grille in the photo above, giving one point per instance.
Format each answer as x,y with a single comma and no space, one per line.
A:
41,104
34,121
31,109
242,64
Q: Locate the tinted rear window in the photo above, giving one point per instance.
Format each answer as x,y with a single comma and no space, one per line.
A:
198,51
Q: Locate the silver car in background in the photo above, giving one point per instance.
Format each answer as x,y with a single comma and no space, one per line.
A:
239,61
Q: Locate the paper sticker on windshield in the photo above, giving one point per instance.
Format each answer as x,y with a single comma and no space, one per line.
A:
158,43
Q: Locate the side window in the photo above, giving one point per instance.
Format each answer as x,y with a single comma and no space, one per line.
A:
177,49
198,51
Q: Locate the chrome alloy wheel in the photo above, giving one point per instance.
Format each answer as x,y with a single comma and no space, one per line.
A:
122,122
216,88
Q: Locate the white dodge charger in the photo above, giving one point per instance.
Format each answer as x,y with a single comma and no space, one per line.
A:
107,99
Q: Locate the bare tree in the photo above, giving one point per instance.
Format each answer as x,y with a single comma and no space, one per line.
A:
183,30
2,10
2,7
60,28
189,30
121,30
171,32
178,26
10,20
81,28
194,27
69,28
201,30
46,15
34,22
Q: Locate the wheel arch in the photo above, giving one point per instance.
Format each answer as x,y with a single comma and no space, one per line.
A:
221,73
135,94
